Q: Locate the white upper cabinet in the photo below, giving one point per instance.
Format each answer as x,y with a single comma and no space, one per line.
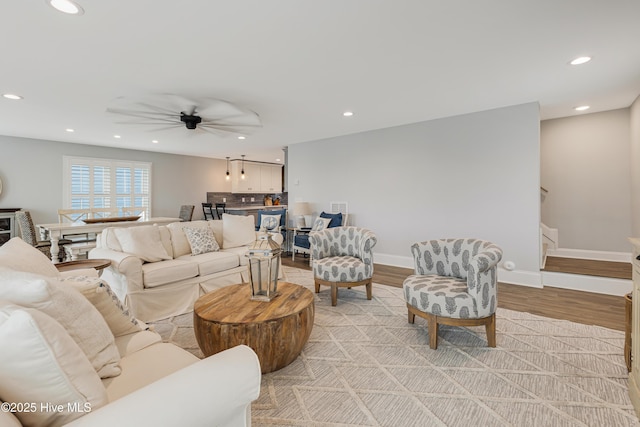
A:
259,177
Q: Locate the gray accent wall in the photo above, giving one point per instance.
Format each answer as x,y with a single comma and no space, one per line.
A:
31,172
585,167
475,175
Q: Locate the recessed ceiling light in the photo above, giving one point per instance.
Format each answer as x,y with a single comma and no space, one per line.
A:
117,136
66,6
242,137
11,96
582,108
580,60
278,160
70,130
348,113
155,141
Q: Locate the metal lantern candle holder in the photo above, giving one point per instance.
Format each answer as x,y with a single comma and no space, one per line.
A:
264,264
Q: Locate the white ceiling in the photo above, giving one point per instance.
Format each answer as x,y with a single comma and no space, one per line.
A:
300,63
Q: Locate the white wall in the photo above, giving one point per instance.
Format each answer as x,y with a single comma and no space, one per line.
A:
475,175
31,172
635,167
585,166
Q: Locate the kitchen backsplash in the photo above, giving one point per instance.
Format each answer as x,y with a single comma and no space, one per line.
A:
235,200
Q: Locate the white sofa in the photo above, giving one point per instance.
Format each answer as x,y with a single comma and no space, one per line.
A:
156,287
48,377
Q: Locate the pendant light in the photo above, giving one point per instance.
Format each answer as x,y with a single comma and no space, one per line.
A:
228,177
242,171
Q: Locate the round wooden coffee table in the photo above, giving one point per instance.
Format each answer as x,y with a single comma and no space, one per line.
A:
276,330
97,263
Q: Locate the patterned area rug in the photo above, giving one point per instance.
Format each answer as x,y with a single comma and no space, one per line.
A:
364,365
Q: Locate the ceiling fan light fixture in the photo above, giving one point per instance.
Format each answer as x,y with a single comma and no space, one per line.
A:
66,6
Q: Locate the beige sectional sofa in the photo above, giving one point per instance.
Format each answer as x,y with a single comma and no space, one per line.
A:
72,355
155,272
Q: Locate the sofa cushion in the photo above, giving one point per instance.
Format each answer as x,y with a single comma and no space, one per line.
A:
130,343
160,273
179,241
240,252
99,293
145,366
18,255
213,262
201,240
217,225
142,241
238,230
109,240
67,306
40,362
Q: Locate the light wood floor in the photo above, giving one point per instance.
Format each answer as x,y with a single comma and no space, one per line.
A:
576,306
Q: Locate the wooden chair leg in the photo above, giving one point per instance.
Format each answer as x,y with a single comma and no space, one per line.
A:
491,331
411,317
432,322
334,294
369,287
317,287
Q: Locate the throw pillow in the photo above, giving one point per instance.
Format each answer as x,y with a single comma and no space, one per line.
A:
238,230
99,293
336,219
69,308
142,241
270,223
320,224
41,363
18,255
201,240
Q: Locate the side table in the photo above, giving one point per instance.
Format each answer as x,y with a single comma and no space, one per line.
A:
276,330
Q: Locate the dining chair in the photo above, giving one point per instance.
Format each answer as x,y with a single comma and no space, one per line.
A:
220,209
28,234
186,212
207,210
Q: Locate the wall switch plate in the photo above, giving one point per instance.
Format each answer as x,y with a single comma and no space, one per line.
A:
253,199
224,200
243,200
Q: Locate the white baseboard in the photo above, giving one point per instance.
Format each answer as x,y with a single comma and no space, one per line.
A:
593,255
598,285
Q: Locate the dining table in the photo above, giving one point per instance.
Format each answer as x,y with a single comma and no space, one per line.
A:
55,231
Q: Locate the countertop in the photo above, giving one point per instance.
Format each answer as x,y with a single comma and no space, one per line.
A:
254,207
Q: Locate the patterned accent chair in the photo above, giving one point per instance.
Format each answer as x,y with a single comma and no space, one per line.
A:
342,257
28,234
455,283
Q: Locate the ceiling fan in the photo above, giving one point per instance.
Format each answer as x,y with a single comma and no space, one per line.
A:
167,111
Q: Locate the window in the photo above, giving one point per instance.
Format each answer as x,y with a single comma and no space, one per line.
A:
124,187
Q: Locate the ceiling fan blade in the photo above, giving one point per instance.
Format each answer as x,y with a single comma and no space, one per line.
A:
176,126
142,114
214,131
183,105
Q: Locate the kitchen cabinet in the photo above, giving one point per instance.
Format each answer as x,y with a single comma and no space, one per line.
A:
271,178
259,177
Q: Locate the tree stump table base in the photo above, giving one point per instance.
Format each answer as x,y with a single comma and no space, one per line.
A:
276,330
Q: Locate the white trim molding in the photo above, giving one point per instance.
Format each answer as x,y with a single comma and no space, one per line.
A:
589,254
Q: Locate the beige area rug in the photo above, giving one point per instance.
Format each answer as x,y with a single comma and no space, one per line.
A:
364,365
